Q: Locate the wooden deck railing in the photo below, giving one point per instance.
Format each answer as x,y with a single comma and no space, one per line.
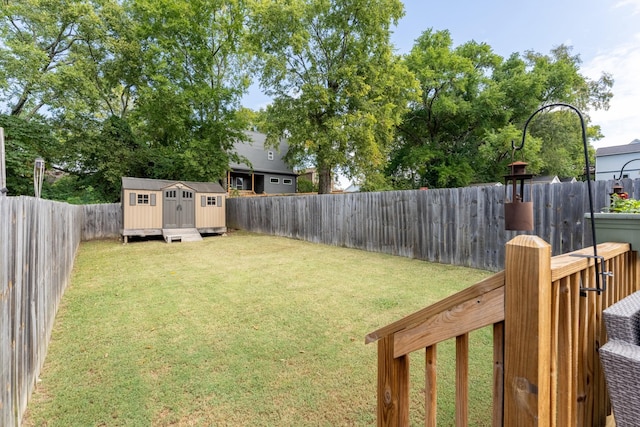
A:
546,334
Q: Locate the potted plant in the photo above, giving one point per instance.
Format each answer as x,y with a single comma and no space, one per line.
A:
621,221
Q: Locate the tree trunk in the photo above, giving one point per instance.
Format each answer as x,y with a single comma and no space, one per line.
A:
324,180
17,109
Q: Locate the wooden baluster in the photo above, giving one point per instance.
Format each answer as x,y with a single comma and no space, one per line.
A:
498,374
431,389
462,380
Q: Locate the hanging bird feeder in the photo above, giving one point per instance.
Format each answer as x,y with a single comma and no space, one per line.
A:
518,204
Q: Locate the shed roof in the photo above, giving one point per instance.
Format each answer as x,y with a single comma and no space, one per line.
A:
129,183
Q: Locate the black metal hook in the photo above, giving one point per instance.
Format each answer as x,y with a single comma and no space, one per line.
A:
622,169
602,273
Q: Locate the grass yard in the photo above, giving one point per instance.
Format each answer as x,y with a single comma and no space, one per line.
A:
243,329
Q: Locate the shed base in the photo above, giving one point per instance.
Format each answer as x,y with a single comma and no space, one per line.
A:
144,232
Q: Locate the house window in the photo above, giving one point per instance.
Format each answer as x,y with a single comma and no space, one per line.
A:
287,181
239,183
270,155
143,199
211,201
274,180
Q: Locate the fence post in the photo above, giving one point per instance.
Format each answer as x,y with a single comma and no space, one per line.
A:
393,385
527,361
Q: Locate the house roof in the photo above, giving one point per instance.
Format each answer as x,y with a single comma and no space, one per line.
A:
632,147
353,188
545,179
485,184
258,158
129,183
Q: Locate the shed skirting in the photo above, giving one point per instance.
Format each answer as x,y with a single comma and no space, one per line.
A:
144,232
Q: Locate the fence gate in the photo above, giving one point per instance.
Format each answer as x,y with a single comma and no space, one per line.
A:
178,208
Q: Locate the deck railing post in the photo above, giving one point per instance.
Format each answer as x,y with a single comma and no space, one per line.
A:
527,332
393,385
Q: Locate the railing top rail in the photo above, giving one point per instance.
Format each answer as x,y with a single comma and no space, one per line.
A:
480,288
567,264
561,266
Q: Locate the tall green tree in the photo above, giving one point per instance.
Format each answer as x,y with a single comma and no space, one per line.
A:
554,136
72,65
474,103
196,69
25,140
38,53
160,80
438,138
338,89
94,125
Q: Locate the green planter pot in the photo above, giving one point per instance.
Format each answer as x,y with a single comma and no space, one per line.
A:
617,227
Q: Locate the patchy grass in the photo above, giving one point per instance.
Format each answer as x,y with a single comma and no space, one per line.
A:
244,329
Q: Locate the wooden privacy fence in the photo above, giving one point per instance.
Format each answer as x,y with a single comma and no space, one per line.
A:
460,226
38,243
546,335
102,221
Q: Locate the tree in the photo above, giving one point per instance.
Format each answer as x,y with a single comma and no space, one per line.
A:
474,104
155,83
196,69
438,138
338,89
25,141
534,80
70,64
38,57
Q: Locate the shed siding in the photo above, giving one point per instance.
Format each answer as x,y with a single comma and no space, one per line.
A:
209,216
142,216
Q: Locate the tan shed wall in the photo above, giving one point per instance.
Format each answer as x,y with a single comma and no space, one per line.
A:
210,216
142,216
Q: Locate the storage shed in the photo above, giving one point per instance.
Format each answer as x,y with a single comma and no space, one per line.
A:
177,210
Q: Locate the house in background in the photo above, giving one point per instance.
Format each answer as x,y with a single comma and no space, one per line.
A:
311,174
177,210
610,160
551,179
352,188
266,172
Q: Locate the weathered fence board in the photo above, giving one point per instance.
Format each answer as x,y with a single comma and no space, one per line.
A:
38,242
101,221
463,226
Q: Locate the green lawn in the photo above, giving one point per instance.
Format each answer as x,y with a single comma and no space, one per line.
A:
243,329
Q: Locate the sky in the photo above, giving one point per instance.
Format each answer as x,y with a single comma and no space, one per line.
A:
604,33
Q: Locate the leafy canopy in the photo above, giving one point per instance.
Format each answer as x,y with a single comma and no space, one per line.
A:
474,104
338,89
152,88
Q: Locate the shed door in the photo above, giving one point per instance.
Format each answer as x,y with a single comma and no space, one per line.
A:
178,208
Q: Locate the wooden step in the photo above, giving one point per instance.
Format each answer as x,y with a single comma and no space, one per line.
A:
181,235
